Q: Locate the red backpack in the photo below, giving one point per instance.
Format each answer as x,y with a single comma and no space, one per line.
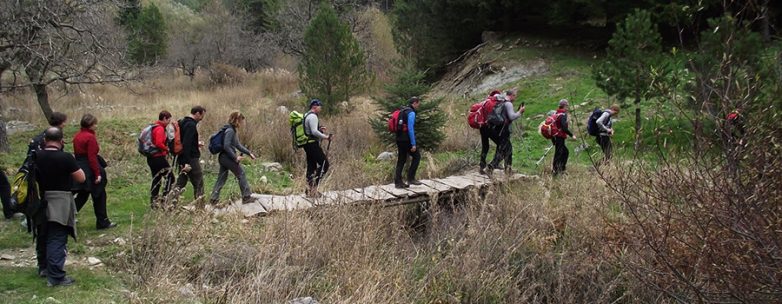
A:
479,112
550,127
397,123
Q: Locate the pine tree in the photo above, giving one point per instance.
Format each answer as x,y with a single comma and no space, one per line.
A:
147,38
409,82
332,67
634,49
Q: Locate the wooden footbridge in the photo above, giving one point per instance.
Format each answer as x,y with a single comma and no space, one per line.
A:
388,195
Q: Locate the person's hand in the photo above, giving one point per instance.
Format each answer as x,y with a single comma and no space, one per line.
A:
573,137
239,158
98,179
331,136
522,108
252,156
322,129
413,149
611,132
200,144
186,168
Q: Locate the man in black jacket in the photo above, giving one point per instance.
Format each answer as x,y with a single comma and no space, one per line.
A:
189,160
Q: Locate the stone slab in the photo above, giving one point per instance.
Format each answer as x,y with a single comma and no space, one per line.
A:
456,182
253,209
353,196
422,189
439,187
327,198
478,179
282,203
399,193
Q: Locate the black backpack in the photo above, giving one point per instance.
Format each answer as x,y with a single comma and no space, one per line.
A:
592,127
497,115
34,207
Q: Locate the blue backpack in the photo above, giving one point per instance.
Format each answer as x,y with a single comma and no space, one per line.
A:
592,127
216,141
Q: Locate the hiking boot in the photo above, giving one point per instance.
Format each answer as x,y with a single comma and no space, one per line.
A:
481,171
489,170
248,200
66,281
401,185
508,172
108,226
43,273
414,182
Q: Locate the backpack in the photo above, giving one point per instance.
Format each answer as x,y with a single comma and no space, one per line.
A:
396,122
592,127
299,134
216,141
550,127
476,118
146,146
19,187
496,116
25,197
174,138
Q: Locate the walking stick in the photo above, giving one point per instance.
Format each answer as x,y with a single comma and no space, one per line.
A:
544,156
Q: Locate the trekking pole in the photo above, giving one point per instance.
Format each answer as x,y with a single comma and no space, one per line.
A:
329,145
544,155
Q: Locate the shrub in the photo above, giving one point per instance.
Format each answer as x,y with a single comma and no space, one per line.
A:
226,74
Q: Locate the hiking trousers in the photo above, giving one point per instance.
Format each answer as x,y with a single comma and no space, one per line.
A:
98,193
56,251
404,150
317,163
504,148
195,175
560,154
228,164
160,170
486,135
605,144
5,195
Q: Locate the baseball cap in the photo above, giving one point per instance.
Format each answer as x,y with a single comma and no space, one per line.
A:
315,102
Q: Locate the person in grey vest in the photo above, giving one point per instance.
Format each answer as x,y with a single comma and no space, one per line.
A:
56,171
605,125
317,162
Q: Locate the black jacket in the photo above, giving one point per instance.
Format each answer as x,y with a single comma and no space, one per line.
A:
188,132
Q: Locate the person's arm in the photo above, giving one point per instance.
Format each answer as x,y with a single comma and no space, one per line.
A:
312,125
92,157
159,138
601,122
241,147
564,125
512,115
228,143
189,141
78,176
411,127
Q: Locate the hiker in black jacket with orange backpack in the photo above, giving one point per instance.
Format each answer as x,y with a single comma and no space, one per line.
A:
189,160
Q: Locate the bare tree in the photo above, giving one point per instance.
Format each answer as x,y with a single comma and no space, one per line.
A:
70,42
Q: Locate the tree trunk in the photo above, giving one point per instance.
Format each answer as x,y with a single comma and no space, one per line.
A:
4,146
43,99
765,27
637,122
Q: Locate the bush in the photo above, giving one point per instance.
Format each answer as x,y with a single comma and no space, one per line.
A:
226,74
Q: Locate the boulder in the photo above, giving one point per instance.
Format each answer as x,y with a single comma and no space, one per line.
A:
93,261
386,156
304,300
264,179
272,167
283,110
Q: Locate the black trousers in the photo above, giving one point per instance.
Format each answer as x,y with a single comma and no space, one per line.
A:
486,134
160,169
317,164
504,147
403,148
195,175
605,145
5,195
56,243
560,154
98,193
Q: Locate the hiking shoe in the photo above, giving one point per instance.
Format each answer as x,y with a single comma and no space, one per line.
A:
109,226
481,171
401,185
66,281
43,273
415,182
489,170
248,200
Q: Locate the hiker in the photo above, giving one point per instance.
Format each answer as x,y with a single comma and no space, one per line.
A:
158,164
86,149
503,131
407,145
560,149
230,161
5,195
189,160
486,135
56,171
317,162
56,120
734,125
605,125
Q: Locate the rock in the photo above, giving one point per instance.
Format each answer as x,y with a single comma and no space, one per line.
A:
244,221
14,126
187,291
93,261
52,300
272,167
120,241
7,257
305,300
386,156
283,110
264,179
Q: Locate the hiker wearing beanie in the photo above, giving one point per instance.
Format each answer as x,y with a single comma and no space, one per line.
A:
406,145
229,161
189,160
503,131
86,149
317,162
561,152
157,162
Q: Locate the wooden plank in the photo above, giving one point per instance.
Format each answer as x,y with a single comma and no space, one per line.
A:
400,193
353,196
375,193
456,182
283,203
327,198
253,209
440,187
479,180
422,189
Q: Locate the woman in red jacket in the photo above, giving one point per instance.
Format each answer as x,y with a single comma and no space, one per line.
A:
86,149
158,164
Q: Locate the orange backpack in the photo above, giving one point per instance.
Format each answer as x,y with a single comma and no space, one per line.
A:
174,138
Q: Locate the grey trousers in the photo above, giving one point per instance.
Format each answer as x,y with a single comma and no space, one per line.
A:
227,164
196,177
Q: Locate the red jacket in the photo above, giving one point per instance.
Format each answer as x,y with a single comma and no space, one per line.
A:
86,144
159,138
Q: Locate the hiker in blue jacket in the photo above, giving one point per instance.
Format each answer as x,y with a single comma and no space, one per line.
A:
406,144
